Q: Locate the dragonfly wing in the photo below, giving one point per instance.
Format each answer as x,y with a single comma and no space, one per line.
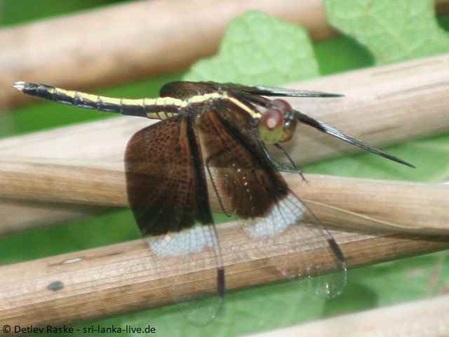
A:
272,215
278,92
167,193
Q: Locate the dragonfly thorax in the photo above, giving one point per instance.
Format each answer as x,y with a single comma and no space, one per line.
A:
277,123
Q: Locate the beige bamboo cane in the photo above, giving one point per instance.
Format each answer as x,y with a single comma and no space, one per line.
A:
106,281
383,106
18,216
102,47
368,204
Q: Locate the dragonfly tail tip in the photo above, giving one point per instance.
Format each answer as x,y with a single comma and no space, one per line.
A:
19,85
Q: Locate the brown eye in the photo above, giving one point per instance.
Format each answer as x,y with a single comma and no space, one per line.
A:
282,105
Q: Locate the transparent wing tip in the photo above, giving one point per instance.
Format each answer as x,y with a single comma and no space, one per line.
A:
202,311
328,285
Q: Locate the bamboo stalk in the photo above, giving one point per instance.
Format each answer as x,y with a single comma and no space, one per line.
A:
376,205
421,318
383,106
120,278
372,204
18,216
103,47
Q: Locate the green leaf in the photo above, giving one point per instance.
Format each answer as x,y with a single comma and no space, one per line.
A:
392,30
259,49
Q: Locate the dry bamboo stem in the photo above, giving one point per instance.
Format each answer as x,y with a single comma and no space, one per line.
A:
17,216
117,279
376,205
102,47
383,105
422,318
372,204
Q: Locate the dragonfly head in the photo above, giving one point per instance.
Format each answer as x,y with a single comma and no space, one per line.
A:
278,123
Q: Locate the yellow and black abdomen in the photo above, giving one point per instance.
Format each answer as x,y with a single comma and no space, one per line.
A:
159,108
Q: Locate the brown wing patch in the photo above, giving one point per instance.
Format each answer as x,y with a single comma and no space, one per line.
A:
186,89
160,177
247,185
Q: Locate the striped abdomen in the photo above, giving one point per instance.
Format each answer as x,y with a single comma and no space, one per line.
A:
159,108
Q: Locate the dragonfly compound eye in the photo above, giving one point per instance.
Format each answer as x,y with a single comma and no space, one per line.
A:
274,125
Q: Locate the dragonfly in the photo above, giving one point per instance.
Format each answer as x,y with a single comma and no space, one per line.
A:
217,133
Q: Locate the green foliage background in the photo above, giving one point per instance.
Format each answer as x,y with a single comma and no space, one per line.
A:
390,30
